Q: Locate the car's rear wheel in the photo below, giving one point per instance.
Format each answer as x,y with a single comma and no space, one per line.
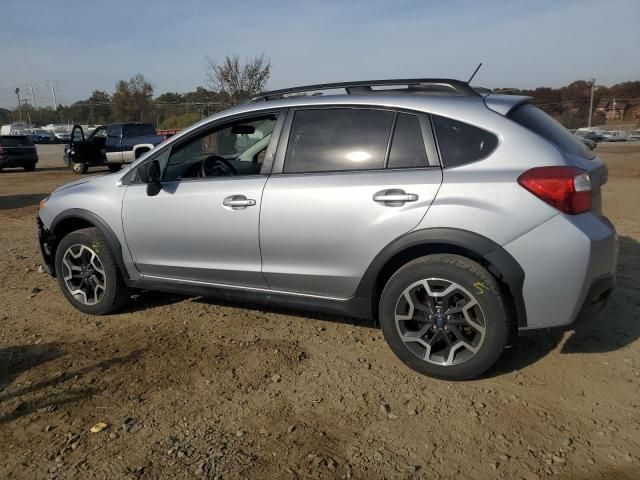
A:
88,273
445,316
79,168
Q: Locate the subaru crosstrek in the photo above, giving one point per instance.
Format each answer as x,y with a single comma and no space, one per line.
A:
452,217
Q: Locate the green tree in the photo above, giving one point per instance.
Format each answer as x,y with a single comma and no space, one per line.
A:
132,100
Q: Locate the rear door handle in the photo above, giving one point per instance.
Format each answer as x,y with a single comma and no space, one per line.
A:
238,202
394,197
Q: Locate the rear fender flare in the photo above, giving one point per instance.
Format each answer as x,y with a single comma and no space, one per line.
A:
447,240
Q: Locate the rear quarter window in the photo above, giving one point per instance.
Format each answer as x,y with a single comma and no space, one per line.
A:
461,143
534,119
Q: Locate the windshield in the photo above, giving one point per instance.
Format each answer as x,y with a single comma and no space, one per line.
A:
539,122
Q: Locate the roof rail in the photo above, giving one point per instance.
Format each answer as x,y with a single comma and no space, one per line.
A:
440,85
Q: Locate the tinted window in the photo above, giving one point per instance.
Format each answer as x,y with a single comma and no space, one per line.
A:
113,131
139,130
462,143
337,140
539,122
15,141
407,146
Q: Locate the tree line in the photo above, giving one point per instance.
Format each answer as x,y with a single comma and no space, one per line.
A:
233,80
230,82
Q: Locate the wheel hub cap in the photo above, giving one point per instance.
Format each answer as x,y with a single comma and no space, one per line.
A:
83,274
440,321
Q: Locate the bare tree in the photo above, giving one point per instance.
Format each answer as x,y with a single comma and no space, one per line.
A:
237,80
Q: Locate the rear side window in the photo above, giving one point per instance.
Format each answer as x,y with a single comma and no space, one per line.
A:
139,130
539,122
338,139
462,143
15,141
407,146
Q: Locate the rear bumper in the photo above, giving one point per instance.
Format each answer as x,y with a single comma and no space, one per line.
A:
569,264
9,161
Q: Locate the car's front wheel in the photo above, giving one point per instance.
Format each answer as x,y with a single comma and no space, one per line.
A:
88,273
445,316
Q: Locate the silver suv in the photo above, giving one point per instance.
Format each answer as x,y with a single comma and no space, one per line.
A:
452,217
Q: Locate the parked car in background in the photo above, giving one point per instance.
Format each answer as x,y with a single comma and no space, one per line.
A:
454,218
17,151
592,134
615,136
635,135
61,132
109,145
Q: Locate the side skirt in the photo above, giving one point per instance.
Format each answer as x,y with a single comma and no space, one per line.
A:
352,307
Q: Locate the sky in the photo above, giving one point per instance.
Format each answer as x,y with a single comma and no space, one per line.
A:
82,46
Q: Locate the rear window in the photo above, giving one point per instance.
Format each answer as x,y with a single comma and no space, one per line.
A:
539,122
461,143
139,130
15,141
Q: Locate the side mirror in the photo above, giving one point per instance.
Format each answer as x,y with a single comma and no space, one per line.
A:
149,173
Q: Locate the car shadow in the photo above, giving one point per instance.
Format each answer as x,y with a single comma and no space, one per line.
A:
10,202
615,327
48,392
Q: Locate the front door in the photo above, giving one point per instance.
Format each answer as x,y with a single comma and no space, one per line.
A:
351,182
203,224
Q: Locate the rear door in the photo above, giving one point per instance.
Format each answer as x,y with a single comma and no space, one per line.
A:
346,183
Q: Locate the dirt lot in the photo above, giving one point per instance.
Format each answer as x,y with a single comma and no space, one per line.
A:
195,388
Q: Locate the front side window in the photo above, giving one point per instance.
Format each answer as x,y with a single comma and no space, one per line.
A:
113,131
232,149
100,132
338,139
462,143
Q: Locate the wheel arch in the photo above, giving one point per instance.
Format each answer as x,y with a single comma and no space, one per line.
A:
77,219
418,243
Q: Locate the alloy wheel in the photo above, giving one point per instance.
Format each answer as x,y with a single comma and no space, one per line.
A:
83,274
440,321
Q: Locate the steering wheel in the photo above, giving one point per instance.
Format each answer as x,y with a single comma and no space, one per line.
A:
216,166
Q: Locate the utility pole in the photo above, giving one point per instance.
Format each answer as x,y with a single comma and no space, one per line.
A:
593,86
33,97
17,90
53,93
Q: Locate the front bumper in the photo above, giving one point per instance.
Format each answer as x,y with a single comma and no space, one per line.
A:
45,244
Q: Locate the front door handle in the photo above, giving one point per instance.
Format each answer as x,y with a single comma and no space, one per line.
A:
394,197
238,202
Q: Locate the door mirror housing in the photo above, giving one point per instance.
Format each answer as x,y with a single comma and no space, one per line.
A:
149,173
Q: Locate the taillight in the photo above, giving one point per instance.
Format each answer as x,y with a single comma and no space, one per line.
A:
566,188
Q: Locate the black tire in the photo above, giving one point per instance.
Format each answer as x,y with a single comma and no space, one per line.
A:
473,278
30,167
79,168
114,168
115,293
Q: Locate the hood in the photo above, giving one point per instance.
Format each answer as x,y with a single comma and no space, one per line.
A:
73,184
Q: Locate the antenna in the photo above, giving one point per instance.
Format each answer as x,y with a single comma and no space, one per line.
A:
474,72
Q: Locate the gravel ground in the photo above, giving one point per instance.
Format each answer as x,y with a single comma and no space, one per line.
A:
196,388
